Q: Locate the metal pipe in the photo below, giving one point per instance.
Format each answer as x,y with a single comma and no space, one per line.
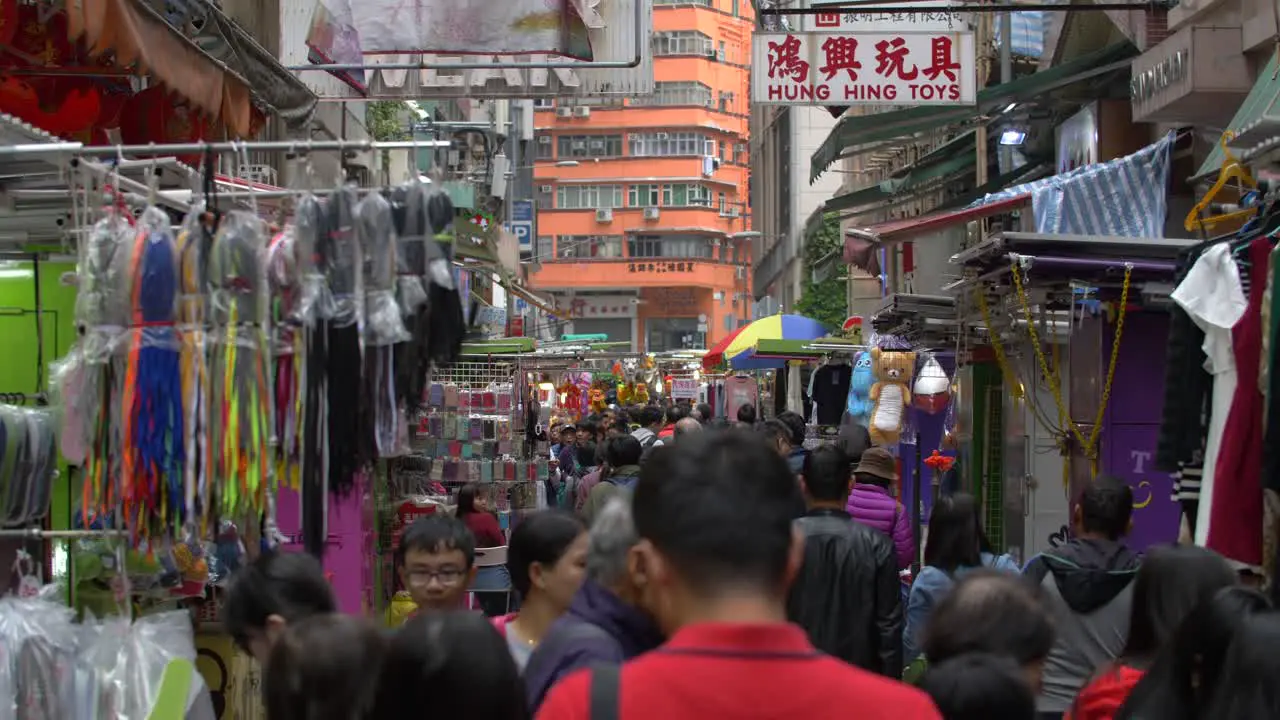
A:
882,8
1116,264
422,65
39,534
288,146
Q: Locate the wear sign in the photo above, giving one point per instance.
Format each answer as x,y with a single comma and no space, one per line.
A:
893,68
684,388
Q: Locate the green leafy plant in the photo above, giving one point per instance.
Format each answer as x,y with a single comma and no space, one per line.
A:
384,118
826,301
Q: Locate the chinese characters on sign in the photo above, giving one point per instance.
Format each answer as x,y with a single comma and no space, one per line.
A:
602,306
925,16
662,267
892,68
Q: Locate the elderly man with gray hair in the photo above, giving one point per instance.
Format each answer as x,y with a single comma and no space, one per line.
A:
604,623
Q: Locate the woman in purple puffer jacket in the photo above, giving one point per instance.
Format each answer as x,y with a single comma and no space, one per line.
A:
872,504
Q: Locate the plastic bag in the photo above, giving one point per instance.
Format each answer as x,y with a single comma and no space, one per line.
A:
39,645
314,300
101,299
237,271
71,391
340,258
413,230
375,230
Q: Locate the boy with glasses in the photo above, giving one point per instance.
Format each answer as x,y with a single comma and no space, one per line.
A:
436,562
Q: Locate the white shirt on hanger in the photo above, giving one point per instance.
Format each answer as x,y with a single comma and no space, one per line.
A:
1213,296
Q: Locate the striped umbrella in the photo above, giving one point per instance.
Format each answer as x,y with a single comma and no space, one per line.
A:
715,356
741,350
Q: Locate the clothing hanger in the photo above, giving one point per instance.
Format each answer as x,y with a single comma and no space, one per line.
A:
1231,170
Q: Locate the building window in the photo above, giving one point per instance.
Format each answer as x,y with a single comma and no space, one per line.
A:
588,197
643,195
544,148
544,199
589,246
673,334
722,54
666,144
589,146
547,103
681,42
669,246
542,248
700,3
685,195
724,203
685,93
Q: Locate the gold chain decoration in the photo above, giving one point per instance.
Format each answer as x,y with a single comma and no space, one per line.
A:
1002,360
1090,444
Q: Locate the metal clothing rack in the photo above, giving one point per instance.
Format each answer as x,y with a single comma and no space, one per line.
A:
40,534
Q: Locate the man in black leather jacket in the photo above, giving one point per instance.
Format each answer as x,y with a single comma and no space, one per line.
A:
847,595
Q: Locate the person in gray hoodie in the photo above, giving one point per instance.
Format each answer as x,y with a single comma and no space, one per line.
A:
1088,583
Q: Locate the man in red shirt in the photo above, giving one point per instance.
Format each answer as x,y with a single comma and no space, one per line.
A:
716,556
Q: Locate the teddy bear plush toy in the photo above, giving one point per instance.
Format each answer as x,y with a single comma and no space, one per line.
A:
890,395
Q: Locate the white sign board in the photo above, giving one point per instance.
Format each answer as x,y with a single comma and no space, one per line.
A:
589,307
924,16
684,388
887,68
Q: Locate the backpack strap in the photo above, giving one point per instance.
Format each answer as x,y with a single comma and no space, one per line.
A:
604,692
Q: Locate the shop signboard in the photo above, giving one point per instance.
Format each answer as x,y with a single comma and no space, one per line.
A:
592,307
924,16
1132,458
684,388
864,68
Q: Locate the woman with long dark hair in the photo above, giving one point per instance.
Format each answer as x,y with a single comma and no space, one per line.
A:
547,559
1246,687
1187,670
1172,582
955,545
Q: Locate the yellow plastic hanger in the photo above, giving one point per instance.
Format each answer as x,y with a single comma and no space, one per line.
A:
1231,170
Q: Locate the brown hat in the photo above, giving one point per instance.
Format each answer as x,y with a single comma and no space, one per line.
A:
878,462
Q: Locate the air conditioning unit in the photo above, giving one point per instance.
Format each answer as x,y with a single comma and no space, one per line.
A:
742,273
597,144
564,112
544,139
546,189
651,213
578,145
604,215
582,112
661,136
733,212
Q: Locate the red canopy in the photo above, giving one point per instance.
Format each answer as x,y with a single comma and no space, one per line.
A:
715,356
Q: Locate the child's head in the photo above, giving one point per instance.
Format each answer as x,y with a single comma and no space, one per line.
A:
310,673
980,687
454,663
436,562
270,594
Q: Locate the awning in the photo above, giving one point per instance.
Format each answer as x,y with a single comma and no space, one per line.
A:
140,37
953,157
900,230
272,84
858,130
1258,118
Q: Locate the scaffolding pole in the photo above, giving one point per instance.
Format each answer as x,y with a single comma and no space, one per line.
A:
292,147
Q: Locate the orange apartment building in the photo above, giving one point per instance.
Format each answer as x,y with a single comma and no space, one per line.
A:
642,213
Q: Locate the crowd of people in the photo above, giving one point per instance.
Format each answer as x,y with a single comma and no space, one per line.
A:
695,569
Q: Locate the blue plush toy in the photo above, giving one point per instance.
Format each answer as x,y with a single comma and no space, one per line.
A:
859,403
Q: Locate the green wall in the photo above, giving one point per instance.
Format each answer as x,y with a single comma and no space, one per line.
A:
18,360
